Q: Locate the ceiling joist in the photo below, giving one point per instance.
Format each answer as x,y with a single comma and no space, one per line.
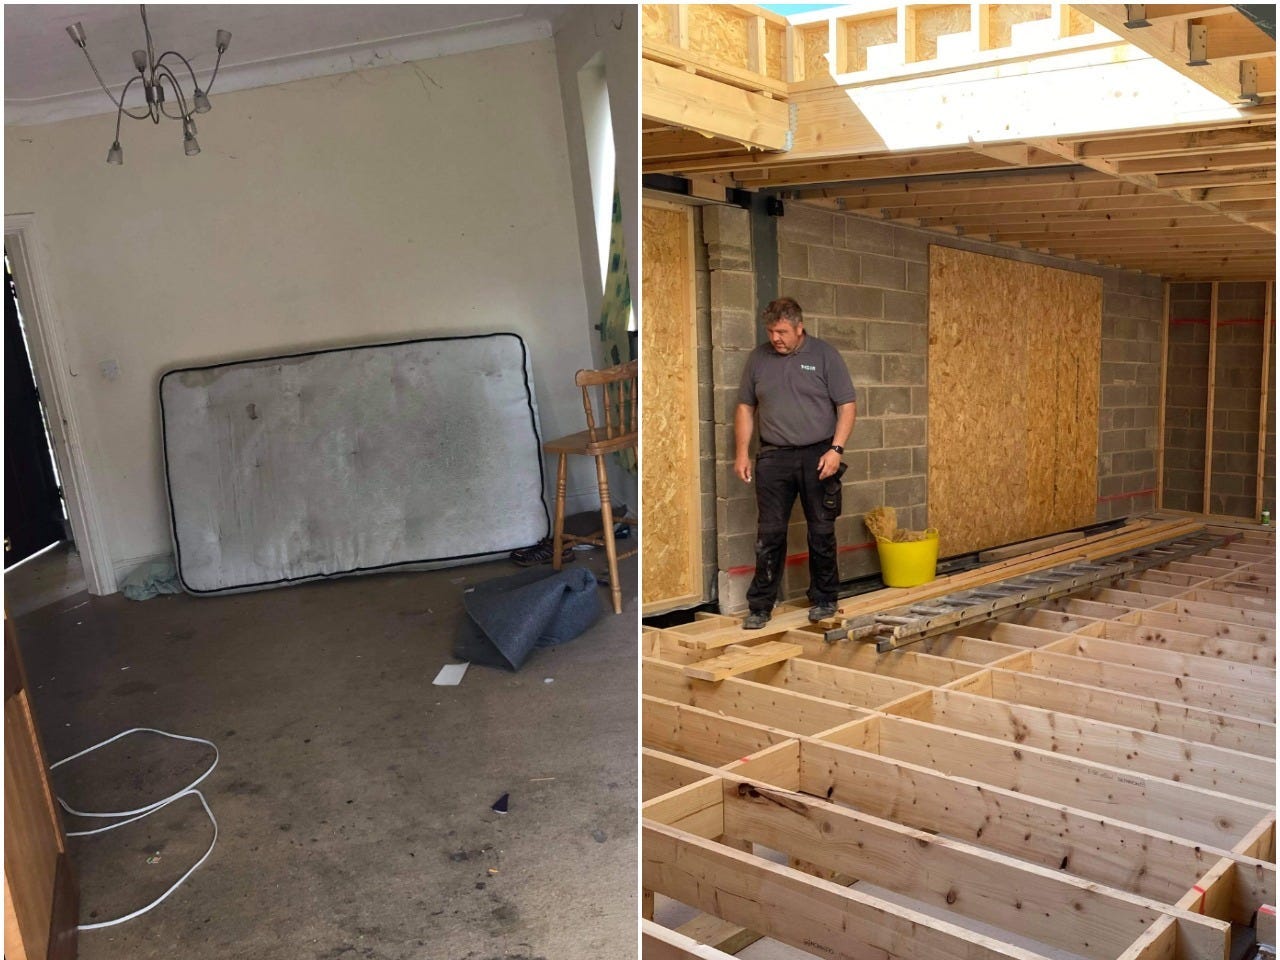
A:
952,118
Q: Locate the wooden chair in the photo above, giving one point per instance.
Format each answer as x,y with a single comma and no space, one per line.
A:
617,401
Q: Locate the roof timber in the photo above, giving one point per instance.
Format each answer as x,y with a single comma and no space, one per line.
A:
952,117
1228,39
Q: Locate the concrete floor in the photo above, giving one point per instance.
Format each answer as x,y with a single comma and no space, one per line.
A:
352,796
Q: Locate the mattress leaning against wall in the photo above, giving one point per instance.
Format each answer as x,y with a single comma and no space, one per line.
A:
351,460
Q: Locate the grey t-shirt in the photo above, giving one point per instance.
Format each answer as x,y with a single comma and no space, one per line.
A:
796,395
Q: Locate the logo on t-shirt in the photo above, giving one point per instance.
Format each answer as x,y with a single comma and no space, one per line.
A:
808,366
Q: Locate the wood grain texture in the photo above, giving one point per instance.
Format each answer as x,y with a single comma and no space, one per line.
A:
670,468
1014,361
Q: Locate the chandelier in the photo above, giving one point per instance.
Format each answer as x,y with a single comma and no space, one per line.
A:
156,75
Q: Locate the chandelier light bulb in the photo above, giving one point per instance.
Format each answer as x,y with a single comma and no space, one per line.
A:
201,101
140,60
116,154
76,32
223,40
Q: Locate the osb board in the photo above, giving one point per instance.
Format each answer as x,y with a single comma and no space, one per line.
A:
655,21
669,469
718,32
1078,25
867,32
775,38
1005,15
816,40
934,22
1013,399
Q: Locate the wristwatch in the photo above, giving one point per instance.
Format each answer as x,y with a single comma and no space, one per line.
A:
837,448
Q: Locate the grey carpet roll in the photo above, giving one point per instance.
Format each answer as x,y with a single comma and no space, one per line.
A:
507,618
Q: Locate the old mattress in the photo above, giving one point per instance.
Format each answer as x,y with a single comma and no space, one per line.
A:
290,468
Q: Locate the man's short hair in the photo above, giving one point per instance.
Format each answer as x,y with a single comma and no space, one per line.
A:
784,308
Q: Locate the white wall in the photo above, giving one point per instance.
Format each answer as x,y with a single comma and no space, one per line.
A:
610,32
414,200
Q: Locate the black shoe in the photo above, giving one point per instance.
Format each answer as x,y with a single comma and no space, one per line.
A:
540,552
822,611
756,619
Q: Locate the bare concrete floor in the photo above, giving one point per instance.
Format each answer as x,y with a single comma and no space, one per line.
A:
352,796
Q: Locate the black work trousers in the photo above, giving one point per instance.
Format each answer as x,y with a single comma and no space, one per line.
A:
782,474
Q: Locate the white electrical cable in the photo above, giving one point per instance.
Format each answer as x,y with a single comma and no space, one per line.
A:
146,811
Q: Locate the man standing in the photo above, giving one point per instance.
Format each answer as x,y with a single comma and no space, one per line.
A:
802,390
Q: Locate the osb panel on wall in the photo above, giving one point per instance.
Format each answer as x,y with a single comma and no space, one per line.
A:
1013,399
867,32
774,43
718,32
655,21
672,555
816,42
935,22
1005,16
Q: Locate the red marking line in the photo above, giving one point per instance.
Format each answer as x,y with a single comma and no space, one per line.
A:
799,558
1126,496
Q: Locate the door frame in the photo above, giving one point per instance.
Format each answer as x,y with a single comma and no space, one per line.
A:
45,337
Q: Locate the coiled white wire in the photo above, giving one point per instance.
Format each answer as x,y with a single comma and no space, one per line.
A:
145,811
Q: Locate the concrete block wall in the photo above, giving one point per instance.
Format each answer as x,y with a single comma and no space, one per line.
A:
1186,397
732,328
1129,404
1237,397
864,288
706,405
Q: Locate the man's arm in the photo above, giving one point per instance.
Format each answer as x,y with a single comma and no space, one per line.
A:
744,424
829,463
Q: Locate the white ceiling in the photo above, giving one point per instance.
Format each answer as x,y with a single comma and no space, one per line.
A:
46,77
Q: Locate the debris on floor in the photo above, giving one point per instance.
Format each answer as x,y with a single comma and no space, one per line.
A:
500,805
151,579
450,675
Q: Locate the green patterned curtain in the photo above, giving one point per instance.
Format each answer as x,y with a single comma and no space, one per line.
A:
615,312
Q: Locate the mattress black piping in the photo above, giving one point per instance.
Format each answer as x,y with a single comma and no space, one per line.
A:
164,450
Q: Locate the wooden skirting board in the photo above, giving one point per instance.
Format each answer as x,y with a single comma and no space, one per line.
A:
1094,777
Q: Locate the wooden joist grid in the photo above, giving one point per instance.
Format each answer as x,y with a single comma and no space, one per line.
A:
1093,777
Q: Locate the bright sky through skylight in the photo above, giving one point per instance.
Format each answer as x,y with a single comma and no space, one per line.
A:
790,9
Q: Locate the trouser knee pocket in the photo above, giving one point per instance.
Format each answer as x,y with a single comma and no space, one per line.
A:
833,493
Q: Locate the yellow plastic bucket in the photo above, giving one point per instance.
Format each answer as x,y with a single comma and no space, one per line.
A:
910,563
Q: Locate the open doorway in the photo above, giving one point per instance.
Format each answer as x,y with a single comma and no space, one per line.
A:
42,352
35,516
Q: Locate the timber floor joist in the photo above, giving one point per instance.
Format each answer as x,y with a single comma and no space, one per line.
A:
1094,777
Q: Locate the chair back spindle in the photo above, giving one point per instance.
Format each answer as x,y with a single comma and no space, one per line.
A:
617,401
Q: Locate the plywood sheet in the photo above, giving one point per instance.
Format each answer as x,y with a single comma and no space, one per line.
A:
1013,399
935,22
655,21
774,43
816,41
865,32
1005,16
719,32
672,555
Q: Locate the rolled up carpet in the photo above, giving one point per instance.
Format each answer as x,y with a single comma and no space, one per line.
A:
507,618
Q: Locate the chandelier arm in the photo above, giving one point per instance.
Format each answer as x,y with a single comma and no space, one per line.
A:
129,113
186,62
163,72
216,64
151,50
101,83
